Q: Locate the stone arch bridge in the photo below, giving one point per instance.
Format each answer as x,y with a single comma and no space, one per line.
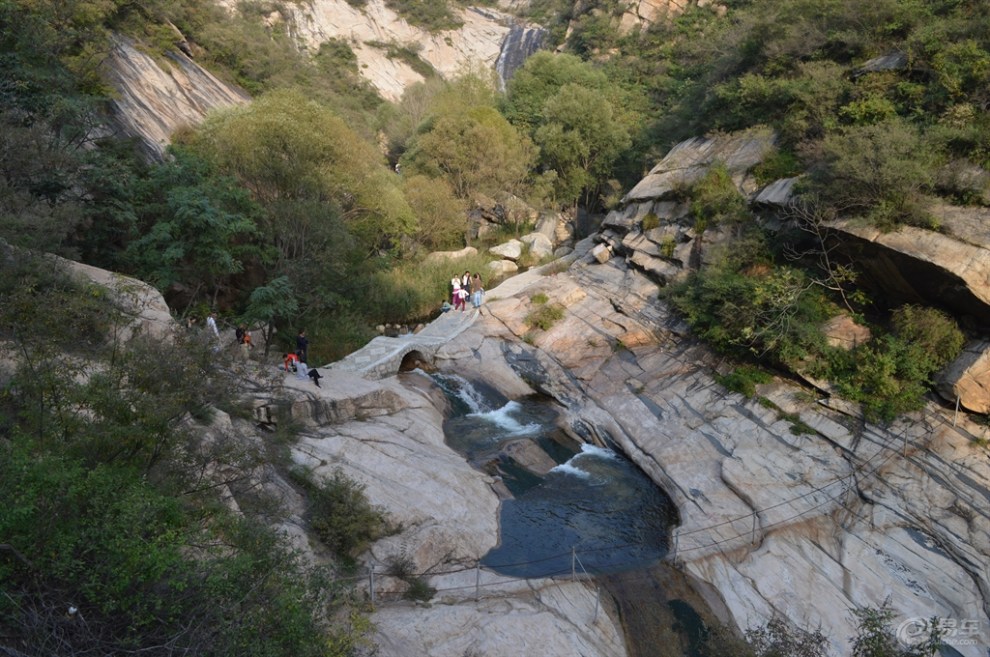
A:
385,356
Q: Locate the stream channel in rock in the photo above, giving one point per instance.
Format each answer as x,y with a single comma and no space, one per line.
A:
584,508
570,507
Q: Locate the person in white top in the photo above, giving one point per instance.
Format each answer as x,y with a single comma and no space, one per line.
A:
211,324
455,284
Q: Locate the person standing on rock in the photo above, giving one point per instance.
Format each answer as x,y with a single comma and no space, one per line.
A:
477,291
466,279
455,288
211,327
302,346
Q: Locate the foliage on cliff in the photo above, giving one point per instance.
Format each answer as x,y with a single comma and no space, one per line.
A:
114,538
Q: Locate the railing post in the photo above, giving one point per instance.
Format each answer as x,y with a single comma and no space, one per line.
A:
371,583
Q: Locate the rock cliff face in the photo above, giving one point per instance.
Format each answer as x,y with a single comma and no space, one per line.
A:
950,268
156,98
486,37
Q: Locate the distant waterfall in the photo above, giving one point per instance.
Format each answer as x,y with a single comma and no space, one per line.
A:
520,43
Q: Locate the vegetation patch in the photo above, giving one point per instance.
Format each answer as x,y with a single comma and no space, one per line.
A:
409,54
341,515
432,15
545,316
744,379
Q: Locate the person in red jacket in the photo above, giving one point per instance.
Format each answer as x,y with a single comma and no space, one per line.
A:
290,362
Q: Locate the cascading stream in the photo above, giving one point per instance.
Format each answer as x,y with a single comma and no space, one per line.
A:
591,503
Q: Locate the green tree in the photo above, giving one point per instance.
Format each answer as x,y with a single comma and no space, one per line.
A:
196,226
582,121
477,151
440,214
286,147
580,137
270,303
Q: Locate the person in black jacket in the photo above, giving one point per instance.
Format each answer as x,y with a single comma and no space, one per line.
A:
302,346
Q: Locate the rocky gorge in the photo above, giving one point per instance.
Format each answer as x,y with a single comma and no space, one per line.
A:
790,504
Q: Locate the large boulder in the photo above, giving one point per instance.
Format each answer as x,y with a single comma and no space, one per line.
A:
967,378
540,246
915,265
437,256
690,160
510,250
142,306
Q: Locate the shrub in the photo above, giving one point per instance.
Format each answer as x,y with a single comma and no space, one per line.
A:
650,221
891,375
744,304
744,379
880,172
341,515
934,336
715,199
539,298
545,316
432,15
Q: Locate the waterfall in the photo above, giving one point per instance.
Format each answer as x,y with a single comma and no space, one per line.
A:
521,42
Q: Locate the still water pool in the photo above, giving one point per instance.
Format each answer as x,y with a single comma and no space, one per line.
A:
592,510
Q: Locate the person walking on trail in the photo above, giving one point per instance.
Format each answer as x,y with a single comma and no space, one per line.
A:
302,346
462,295
477,291
211,325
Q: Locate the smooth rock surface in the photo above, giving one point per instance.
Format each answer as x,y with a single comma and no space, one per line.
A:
968,378
153,101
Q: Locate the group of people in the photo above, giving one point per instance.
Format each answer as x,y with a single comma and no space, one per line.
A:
462,287
292,362
296,361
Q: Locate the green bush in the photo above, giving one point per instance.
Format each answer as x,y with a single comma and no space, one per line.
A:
432,15
341,515
716,200
881,172
891,374
746,304
545,316
744,379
